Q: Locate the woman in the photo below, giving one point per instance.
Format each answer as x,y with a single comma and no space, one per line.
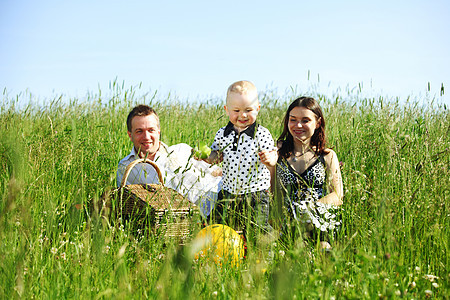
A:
308,177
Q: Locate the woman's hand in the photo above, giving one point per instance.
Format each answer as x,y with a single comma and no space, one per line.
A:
332,199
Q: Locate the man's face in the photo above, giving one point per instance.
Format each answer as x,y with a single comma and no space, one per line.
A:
145,135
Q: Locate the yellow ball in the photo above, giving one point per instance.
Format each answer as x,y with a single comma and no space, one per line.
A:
220,243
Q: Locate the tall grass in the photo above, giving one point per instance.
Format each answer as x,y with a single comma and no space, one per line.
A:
57,157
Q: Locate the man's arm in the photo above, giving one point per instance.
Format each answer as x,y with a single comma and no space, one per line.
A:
120,172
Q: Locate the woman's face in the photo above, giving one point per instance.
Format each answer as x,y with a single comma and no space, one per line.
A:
302,124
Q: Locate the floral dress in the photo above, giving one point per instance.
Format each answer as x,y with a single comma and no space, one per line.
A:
301,192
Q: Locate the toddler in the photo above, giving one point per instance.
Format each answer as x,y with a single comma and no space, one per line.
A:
249,159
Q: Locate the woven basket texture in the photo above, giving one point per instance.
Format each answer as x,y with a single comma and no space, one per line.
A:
161,209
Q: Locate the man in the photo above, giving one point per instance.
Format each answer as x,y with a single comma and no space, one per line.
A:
196,180
144,132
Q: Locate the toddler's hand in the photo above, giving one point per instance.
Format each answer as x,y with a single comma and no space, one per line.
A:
202,152
269,157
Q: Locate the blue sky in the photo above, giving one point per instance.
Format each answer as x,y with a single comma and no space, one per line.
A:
195,49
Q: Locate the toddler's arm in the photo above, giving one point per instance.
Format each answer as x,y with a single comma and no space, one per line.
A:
214,158
269,159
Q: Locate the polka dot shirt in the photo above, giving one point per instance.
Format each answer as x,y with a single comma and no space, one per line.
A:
243,172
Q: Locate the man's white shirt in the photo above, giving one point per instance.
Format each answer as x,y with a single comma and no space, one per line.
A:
144,172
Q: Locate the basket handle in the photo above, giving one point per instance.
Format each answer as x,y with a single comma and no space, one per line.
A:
135,162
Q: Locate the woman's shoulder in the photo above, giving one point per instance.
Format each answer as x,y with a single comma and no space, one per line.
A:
328,152
329,155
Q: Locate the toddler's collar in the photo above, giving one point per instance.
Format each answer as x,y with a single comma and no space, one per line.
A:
250,131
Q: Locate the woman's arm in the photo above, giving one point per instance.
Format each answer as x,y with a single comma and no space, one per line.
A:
334,182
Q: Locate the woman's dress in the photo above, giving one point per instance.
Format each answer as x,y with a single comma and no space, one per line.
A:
301,192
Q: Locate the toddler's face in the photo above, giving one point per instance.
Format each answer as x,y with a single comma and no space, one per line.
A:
242,109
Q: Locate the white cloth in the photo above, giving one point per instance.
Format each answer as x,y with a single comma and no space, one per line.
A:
191,178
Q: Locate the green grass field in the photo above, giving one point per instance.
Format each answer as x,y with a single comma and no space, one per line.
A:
394,243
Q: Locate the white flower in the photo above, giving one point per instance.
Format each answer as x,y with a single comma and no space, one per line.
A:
428,293
63,255
54,250
121,251
398,293
282,253
430,277
435,284
316,223
301,205
322,210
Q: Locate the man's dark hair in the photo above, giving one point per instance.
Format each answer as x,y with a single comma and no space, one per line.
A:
140,110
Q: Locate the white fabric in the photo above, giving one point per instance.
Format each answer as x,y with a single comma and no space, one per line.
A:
191,178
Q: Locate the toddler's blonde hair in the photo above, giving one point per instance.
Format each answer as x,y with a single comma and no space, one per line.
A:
242,87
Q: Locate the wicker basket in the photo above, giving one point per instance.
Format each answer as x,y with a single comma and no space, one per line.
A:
162,209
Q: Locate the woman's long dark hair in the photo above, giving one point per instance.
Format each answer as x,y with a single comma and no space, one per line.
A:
318,139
